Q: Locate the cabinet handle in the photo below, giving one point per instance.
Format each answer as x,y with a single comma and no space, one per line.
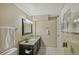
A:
65,44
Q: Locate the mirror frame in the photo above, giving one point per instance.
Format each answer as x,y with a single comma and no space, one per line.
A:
23,29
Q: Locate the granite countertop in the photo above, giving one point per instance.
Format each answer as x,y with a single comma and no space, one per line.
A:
31,41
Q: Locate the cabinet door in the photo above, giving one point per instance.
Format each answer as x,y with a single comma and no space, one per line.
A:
35,49
67,50
22,49
72,49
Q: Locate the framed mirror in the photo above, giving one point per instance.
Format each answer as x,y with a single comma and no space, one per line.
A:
70,22
26,26
76,21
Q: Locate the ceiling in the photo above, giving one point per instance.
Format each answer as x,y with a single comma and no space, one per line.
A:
34,9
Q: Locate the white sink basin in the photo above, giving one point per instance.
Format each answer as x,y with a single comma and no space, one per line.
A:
31,40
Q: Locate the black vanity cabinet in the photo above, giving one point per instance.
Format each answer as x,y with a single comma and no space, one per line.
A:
36,47
27,49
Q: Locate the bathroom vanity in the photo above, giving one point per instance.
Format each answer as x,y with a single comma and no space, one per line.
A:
31,47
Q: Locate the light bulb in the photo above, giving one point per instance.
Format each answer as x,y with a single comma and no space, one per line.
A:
75,20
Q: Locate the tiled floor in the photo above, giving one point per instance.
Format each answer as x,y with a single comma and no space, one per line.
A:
50,51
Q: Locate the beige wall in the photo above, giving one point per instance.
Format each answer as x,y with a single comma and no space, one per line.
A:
40,27
10,15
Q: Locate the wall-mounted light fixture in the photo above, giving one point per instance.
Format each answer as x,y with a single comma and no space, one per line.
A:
76,20
27,21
